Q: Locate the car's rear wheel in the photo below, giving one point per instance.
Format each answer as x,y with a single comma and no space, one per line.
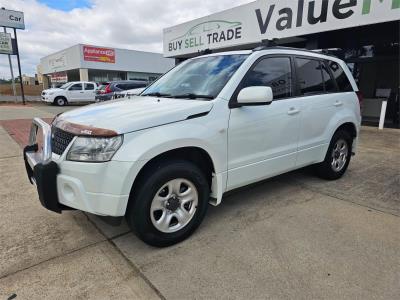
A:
338,156
60,101
170,202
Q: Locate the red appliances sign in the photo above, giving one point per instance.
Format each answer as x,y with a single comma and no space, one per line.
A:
105,55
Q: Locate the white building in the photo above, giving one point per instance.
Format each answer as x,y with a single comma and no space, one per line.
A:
99,64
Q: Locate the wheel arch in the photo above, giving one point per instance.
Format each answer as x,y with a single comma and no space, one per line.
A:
349,127
194,154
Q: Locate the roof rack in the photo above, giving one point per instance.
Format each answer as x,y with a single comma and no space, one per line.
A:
265,44
271,44
204,52
329,51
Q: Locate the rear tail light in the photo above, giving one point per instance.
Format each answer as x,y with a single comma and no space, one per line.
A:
107,90
360,98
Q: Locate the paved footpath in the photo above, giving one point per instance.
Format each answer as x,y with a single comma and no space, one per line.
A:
291,237
44,255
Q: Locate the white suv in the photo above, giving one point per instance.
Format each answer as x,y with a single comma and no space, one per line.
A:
75,91
212,124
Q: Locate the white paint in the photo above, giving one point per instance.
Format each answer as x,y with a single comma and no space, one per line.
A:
245,144
193,34
383,114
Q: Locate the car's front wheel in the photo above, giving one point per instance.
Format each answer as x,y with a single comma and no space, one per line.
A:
170,202
60,101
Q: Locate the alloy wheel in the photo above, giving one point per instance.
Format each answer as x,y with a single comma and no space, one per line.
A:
174,205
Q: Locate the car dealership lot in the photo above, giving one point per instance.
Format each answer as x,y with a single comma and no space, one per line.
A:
294,236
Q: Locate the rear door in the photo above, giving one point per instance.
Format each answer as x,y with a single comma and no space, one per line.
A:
320,101
89,90
262,139
75,93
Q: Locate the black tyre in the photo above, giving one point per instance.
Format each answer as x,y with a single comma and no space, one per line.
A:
60,101
169,204
338,156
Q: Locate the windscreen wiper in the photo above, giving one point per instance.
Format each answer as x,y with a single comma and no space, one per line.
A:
157,94
193,96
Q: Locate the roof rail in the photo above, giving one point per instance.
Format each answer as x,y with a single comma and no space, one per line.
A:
271,44
265,44
328,51
204,52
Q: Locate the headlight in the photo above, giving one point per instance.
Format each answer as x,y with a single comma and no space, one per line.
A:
94,149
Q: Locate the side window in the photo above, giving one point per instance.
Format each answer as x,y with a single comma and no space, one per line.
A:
76,87
118,87
274,72
309,76
328,80
340,77
89,86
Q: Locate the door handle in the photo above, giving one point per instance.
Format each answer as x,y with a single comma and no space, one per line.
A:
293,111
338,103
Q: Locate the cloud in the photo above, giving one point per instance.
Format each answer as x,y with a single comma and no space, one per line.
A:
130,24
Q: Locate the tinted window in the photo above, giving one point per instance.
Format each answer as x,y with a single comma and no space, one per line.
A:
274,72
135,85
89,86
340,77
328,81
76,87
118,87
309,76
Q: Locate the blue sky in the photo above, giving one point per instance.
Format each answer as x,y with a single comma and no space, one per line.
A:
66,5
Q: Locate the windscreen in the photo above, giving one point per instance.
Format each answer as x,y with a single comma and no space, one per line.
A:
202,77
65,85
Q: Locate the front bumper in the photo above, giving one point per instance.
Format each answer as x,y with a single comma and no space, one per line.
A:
98,188
46,98
42,172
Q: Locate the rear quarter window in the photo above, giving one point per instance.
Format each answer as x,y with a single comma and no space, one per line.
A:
309,76
340,76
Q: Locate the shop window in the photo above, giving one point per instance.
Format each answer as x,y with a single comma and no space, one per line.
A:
340,77
274,72
309,76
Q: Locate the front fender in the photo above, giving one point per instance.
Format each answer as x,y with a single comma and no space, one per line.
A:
146,144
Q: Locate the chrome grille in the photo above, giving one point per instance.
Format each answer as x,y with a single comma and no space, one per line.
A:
60,140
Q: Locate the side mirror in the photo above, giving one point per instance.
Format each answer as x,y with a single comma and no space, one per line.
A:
255,95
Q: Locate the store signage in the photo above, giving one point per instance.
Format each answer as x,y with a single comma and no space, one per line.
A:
58,61
269,19
207,33
59,77
5,43
96,54
12,19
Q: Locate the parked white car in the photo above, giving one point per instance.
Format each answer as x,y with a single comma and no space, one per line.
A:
212,124
71,92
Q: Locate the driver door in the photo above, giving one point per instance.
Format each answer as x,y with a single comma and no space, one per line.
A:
75,93
262,139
